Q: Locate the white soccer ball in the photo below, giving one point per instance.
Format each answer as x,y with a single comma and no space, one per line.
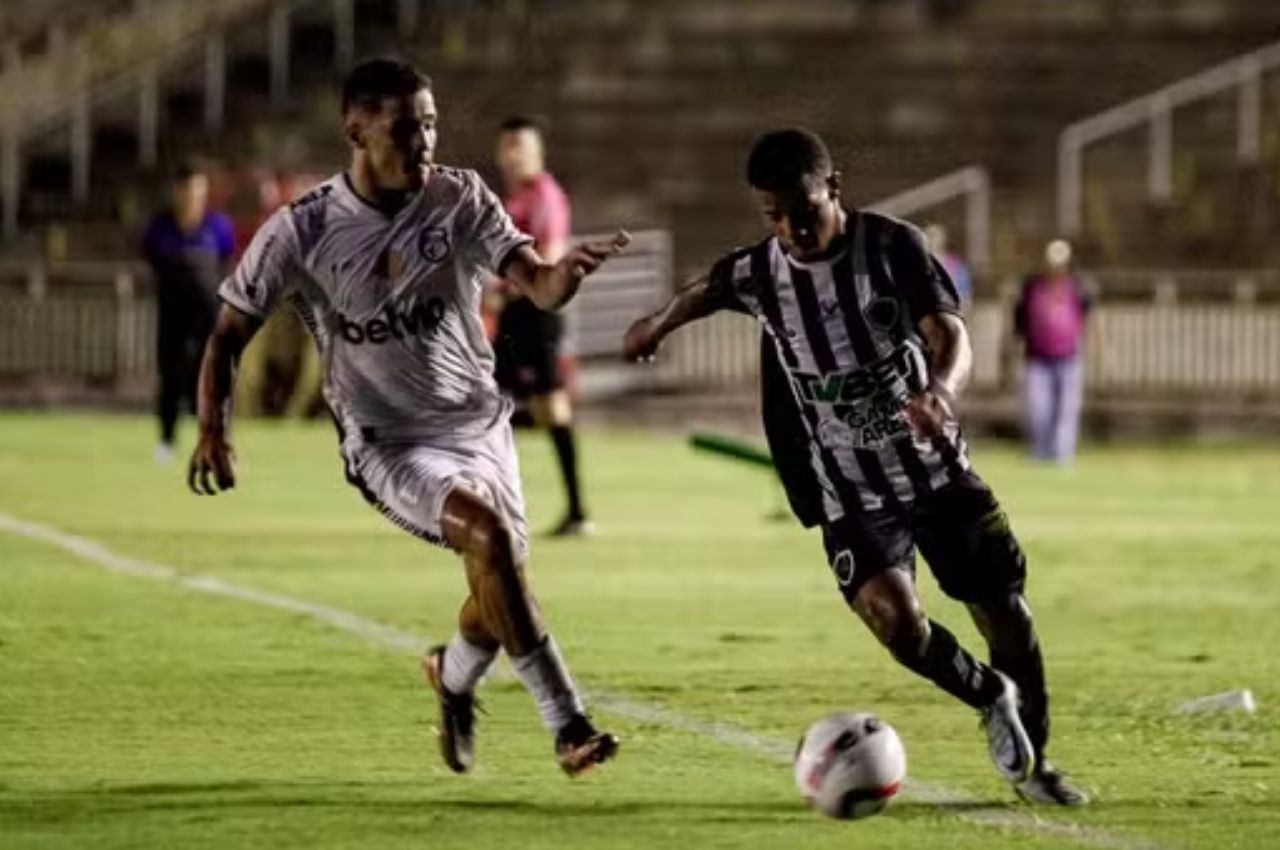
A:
850,765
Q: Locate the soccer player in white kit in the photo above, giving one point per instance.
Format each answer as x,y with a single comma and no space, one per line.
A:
385,263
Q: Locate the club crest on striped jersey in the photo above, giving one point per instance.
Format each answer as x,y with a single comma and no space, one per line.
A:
883,314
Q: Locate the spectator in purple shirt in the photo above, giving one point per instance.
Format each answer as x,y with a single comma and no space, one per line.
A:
189,249
936,237
1050,318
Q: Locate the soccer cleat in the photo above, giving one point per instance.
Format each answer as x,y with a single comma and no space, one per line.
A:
1048,786
574,527
580,746
1007,739
457,715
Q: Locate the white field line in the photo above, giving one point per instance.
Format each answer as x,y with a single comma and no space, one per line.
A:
956,803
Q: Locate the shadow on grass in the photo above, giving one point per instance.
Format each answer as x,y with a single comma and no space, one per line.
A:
391,799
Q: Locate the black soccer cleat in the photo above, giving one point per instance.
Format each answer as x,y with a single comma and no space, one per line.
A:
1048,786
457,731
580,746
572,526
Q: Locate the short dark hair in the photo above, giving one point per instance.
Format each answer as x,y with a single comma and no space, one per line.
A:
374,79
782,160
188,168
516,123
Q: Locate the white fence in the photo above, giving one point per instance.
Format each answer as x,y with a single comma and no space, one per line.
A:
1153,333
1144,344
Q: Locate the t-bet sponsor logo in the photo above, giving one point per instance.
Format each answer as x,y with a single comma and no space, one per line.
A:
896,376
423,319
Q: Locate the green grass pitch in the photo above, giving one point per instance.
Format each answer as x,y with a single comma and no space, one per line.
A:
136,713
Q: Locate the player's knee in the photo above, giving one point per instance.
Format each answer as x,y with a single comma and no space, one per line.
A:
489,542
906,635
897,620
1003,617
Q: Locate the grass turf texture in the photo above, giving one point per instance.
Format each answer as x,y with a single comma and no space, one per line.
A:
136,714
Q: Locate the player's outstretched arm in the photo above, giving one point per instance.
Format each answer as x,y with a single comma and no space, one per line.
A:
553,285
213,454
950,362
693,302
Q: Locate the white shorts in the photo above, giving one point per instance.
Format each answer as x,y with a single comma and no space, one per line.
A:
409,481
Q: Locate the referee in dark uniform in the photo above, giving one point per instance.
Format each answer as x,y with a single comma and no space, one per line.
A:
533,365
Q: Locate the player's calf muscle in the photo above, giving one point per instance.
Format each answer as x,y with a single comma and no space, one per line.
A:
889,606
494,573
471,625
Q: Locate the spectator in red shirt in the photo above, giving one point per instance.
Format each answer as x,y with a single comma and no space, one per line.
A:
533,361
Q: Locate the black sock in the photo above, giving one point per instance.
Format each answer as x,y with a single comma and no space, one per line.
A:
167,411
1025,665
567,454
951,667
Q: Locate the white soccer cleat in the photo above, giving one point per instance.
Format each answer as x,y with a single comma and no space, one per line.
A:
1007,738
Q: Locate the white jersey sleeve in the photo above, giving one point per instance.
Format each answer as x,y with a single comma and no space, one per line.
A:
267,270
485,229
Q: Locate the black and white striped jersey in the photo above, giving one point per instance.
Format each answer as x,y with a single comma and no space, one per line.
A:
845,329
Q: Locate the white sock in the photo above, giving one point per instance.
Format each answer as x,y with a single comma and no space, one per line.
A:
544,674
465,665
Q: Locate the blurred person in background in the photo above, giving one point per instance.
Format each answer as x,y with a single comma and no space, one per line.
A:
189,248
1050,316
936,237
533,365
281,373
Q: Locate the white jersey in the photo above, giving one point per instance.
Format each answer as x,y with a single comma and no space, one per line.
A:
392,300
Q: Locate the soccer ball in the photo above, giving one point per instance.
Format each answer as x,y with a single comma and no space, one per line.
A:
850,765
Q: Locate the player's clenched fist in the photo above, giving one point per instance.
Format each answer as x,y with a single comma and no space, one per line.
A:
641,340
929,413
213,456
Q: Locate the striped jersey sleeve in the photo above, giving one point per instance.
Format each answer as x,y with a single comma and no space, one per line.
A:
925,285
729,279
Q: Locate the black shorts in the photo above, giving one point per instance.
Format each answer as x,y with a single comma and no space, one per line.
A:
960,529
528,350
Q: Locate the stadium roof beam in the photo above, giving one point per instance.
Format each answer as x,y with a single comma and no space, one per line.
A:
344,34
81,147
215,81
10,179
148,116
278,47
406,18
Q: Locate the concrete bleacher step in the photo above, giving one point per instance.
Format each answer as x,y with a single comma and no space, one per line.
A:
653,102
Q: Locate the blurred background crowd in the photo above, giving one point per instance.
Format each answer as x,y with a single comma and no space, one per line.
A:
1101,177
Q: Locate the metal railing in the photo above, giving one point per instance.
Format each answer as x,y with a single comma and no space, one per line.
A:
127,57
1155,109
94,322
971,183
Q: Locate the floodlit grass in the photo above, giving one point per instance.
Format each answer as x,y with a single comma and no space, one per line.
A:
140,714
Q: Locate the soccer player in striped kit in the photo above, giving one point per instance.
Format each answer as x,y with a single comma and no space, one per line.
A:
864,353
384,264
